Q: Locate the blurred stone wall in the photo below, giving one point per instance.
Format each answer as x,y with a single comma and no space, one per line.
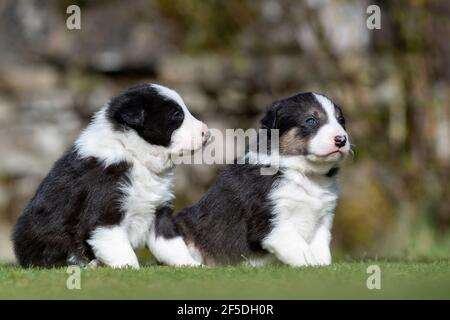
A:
229,60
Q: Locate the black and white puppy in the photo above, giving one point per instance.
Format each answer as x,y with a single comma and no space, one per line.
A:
285,217
100,199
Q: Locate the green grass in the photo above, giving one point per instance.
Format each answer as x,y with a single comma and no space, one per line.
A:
342,280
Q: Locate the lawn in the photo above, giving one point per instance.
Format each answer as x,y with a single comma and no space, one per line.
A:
343,280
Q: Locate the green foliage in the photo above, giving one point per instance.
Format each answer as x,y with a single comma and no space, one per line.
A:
208,25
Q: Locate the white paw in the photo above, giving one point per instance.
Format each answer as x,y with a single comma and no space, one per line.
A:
299,258
306,258
191,264
323,261
123,264
322,255
94,264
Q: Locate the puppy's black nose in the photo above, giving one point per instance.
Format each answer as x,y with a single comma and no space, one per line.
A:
340,141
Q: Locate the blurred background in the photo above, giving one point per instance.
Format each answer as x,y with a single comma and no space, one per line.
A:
229,60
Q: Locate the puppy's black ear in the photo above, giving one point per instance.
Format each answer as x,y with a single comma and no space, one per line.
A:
269,121
131,115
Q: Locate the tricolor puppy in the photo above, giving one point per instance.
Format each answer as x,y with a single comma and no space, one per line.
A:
285,217
99,201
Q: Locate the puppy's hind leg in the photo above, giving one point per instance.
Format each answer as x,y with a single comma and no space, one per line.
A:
173,251
112,247
166,243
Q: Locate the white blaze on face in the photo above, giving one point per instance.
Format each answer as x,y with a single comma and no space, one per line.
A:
189,136
323,143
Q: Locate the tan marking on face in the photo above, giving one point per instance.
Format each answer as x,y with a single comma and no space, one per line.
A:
291,144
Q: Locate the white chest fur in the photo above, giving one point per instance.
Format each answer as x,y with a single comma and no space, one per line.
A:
144,194
301,202
150,176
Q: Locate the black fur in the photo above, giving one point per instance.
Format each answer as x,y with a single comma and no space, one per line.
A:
230,221
163,223
333,172
152,116
75,198
293,112
79,195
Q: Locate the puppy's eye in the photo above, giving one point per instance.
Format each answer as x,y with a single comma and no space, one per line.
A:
341,120
176,114
312,122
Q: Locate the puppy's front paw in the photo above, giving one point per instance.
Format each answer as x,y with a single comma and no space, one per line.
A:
94,264
306,258
323,261
193,264
123,264
322,255
300,258
134,266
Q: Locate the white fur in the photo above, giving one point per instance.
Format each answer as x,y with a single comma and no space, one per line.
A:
323,142
151,179
302,217
304,201
300,163
195,253
189,136
148,190
101,141
260,261
172,252
303,207
112,247
320,243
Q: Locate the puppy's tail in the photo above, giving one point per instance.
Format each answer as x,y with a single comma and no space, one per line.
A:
167,244
165,224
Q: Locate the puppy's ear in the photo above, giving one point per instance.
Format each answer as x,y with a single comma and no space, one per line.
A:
131,115
270,119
